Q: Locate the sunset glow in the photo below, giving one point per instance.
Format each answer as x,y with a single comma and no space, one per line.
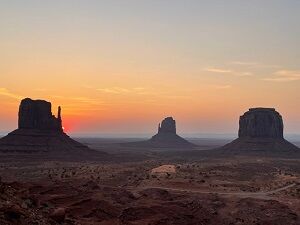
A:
121,69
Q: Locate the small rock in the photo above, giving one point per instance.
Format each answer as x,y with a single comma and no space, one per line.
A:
58,215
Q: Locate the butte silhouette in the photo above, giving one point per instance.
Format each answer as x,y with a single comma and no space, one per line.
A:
260,130
166,137
40,132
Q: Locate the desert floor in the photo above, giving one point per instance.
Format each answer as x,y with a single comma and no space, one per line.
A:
151,186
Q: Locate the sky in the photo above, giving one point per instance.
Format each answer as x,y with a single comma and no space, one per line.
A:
121,66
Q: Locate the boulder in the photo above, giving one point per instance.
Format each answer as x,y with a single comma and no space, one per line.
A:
58,215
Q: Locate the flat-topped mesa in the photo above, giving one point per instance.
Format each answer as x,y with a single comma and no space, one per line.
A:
261,132
36,114
261,123
168,125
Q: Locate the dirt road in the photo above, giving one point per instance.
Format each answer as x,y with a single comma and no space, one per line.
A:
259,195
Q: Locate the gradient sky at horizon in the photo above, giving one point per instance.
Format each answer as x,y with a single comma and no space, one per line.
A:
121,66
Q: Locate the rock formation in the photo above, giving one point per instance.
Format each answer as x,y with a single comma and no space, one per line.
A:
168,125
166,137
36,114
261,122
40,132
261,130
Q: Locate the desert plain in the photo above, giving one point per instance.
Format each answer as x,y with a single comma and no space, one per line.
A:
151,186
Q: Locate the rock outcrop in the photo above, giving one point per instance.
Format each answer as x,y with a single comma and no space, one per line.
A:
261,130
261,123
36,114
41,132
168,125
166,137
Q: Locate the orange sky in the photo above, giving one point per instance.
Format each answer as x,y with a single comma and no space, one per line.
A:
116,72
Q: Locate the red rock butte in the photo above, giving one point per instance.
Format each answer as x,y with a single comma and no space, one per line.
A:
39,131
166,137
36,114
261,130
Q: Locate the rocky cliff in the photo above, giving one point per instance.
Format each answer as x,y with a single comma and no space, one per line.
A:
36,114
261,122
168,125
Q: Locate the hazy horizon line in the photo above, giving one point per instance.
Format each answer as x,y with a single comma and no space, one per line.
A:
290,136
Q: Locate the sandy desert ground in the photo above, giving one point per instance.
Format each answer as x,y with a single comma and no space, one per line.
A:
151,186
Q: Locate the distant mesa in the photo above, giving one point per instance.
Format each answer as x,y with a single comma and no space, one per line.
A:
260,130
40,131
166,137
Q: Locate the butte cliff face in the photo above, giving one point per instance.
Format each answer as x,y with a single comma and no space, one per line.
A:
36,114
166,137
260,130
168,125
41,132
261,123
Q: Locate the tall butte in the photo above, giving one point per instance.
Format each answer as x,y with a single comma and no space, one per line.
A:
40,132
166,137
261,130
36,114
